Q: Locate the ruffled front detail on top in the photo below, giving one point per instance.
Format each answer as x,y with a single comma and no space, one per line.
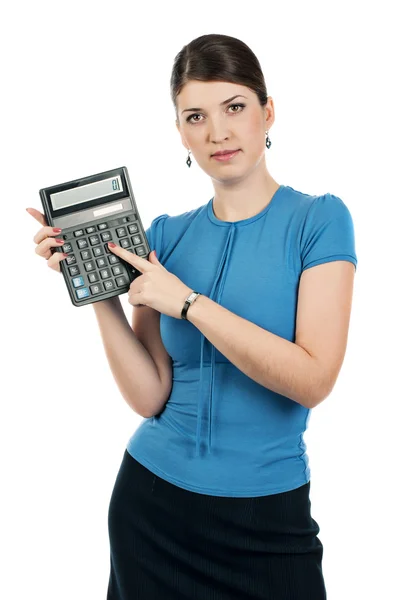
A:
215,294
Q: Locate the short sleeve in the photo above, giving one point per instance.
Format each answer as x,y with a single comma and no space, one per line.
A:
154,234
328,233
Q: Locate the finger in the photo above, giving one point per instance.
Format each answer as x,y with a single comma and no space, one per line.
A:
54,261
135,298
37,215
142,264
45,247
46,232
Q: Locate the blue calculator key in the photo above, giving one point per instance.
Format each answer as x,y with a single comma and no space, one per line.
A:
82,293
78,281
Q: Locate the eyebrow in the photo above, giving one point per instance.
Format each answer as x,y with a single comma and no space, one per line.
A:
221,103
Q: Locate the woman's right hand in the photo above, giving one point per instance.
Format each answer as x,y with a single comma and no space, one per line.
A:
46,239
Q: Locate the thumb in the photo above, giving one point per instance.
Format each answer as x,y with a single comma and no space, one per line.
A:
37,215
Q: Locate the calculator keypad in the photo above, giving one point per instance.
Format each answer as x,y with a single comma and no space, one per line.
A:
92,268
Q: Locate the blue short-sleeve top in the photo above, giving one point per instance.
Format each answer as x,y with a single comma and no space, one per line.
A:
220,432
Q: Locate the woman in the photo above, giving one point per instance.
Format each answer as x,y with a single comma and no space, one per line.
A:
243,323
233,522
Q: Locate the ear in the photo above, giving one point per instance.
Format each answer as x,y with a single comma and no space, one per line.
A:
269,113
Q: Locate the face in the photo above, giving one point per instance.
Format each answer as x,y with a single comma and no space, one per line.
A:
216,126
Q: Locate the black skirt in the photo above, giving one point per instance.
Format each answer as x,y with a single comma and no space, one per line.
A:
170,543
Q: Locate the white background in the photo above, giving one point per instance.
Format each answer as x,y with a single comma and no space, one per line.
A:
87,90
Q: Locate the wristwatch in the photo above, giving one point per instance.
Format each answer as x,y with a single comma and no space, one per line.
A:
191,298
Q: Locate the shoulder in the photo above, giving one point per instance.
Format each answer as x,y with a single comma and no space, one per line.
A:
327,205
175,221
165,231
310,212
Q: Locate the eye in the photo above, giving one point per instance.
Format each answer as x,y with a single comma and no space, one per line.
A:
241,105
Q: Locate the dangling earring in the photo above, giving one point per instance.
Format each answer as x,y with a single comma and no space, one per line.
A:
267,141
188,161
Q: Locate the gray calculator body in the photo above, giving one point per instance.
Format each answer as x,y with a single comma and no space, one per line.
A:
91,212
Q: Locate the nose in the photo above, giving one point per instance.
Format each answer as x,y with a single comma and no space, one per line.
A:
217,131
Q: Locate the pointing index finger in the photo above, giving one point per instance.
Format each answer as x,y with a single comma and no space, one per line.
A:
128,256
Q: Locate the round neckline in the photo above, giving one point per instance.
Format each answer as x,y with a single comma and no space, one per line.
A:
217,221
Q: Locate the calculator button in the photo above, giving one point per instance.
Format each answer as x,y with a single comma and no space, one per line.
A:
78,281
121,231
113,259
89,266
121,281
96,289
106,236
71,259
132,269
93,277
94,239
109,285
97,251
86,255
67,247
125,243
101,262
82,293
133,228
102,226
136,239
108,250
105,273
140,251
90,229
74,271
82,243
118,270
78,232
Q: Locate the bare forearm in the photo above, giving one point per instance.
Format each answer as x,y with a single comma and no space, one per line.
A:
270,360
132,366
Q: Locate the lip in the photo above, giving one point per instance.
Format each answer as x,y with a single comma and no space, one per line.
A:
227,151
225,155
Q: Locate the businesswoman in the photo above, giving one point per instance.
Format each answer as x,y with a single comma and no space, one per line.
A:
239,330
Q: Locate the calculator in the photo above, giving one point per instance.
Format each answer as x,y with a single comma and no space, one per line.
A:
91,212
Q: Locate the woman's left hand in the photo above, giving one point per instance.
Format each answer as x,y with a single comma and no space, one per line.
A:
156,287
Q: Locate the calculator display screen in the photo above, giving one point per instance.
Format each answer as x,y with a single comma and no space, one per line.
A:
85,193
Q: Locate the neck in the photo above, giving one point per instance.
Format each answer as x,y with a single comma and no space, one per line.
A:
242,198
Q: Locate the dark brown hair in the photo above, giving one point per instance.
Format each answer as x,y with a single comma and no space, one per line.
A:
217,57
